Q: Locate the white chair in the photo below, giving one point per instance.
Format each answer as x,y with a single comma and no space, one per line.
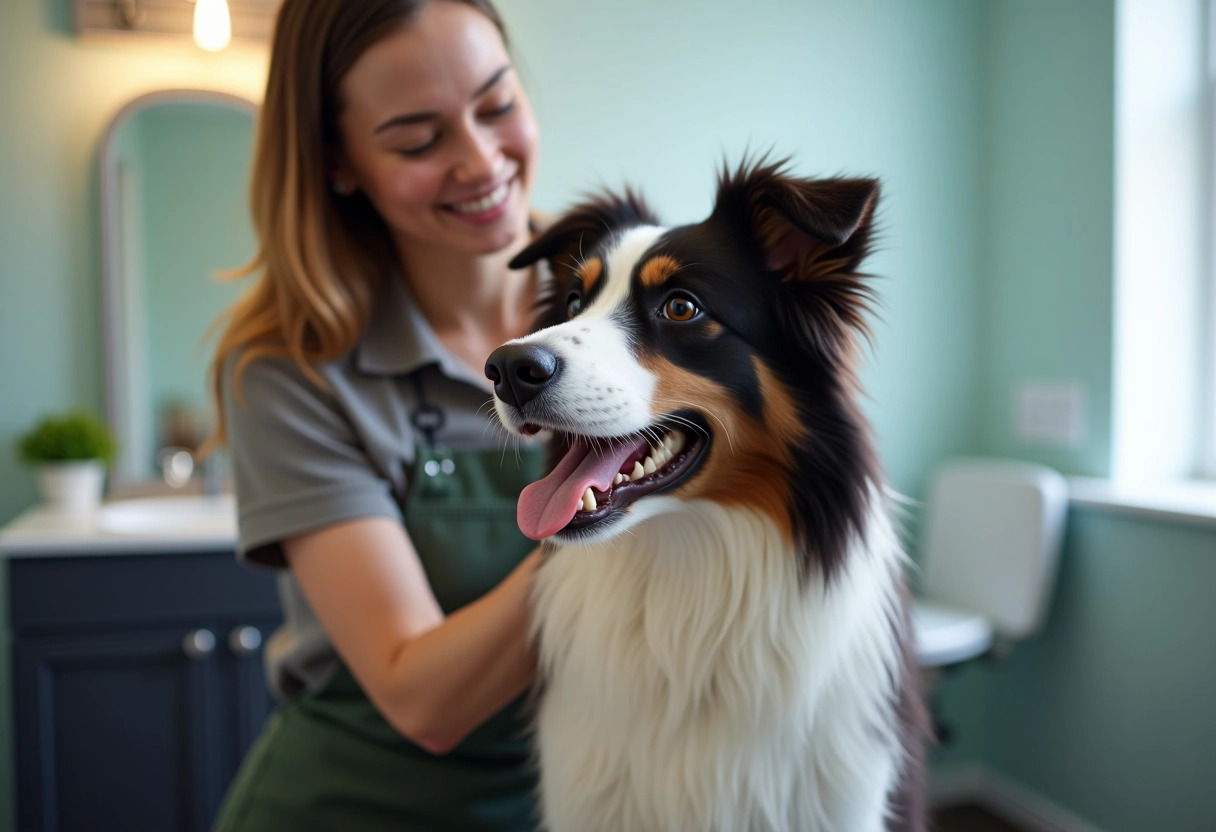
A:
991,544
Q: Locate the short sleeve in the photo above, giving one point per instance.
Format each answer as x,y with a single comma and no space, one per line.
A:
297,463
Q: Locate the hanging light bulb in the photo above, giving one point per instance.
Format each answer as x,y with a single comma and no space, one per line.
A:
212,24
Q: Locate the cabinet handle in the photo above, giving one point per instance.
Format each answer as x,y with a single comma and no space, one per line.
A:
199,644
244,641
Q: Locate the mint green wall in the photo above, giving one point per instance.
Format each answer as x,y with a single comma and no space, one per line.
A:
1048,244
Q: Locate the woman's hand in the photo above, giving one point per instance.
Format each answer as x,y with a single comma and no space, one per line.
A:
434,678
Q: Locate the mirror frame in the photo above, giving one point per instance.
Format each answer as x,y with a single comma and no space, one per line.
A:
116,294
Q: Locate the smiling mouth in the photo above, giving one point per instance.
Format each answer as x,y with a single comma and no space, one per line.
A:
599,478
489,202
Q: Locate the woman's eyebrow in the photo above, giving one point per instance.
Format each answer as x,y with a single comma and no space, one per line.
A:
494,79
429,115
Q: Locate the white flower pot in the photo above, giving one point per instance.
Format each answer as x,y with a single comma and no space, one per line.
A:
72,487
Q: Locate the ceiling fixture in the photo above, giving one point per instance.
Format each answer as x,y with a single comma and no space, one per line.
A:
212,24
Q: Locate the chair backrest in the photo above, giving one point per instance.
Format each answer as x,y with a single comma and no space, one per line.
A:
992,539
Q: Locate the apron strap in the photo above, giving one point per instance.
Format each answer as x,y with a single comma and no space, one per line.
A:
431,459
426,418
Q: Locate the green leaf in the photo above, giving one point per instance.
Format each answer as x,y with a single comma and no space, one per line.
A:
74,436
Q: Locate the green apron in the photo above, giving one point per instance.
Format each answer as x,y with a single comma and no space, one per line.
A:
329,761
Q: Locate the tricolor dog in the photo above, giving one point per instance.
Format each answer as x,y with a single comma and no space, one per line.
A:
721,615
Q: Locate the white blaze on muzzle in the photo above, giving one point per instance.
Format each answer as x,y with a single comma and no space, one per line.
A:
601,391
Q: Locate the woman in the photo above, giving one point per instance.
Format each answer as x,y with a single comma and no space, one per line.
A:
394,162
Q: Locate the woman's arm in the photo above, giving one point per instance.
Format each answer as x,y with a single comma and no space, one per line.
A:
434,678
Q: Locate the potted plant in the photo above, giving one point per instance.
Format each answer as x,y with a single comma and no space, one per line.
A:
70,453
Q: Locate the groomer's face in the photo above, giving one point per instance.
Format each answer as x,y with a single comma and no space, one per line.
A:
438,133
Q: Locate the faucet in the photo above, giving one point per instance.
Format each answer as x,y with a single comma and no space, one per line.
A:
213,478
176,465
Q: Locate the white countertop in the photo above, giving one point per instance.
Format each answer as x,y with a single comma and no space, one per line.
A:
161,525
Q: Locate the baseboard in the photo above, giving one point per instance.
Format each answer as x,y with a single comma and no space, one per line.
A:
1004,797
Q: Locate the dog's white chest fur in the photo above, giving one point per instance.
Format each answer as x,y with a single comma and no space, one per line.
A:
693,682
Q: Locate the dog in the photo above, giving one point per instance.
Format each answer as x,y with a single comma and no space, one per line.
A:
720,614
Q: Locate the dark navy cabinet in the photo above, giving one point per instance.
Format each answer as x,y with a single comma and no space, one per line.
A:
138,686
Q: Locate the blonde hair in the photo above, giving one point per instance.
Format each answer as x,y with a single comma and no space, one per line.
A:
321,256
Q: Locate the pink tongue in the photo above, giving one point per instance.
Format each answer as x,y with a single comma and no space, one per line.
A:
548,505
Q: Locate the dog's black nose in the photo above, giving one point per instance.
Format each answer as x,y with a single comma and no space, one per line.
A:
521,371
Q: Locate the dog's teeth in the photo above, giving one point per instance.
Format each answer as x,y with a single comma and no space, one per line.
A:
638,471
648,466
618,479
588,500
677,443
667,441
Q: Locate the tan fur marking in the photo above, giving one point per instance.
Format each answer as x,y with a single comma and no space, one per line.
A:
658,269
770,226
590,272
750,461
780,412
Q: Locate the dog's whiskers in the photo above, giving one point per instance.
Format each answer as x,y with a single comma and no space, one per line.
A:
653,436
692,427
725,430
688,423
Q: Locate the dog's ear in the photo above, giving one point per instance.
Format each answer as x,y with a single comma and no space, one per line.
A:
807,228
573,238
813,235
578,232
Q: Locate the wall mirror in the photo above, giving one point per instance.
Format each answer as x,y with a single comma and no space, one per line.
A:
174,215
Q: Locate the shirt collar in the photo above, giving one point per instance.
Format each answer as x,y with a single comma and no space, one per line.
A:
400,340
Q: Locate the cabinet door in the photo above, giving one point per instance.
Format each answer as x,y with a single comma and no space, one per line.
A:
112,731
247,693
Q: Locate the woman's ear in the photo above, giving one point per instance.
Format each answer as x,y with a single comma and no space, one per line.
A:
341,175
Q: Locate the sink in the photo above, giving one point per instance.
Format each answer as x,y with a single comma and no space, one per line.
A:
184,515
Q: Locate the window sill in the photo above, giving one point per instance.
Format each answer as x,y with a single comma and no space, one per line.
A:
1192,502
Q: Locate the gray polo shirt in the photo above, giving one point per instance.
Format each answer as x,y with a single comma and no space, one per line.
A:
304,457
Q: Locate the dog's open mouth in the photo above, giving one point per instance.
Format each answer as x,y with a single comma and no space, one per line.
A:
598,478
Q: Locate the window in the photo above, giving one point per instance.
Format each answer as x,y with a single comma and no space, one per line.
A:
1164,379
1207,406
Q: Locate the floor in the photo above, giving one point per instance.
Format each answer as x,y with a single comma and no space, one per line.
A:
969,819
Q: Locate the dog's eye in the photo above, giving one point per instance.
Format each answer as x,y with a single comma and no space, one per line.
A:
680,308
574,305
